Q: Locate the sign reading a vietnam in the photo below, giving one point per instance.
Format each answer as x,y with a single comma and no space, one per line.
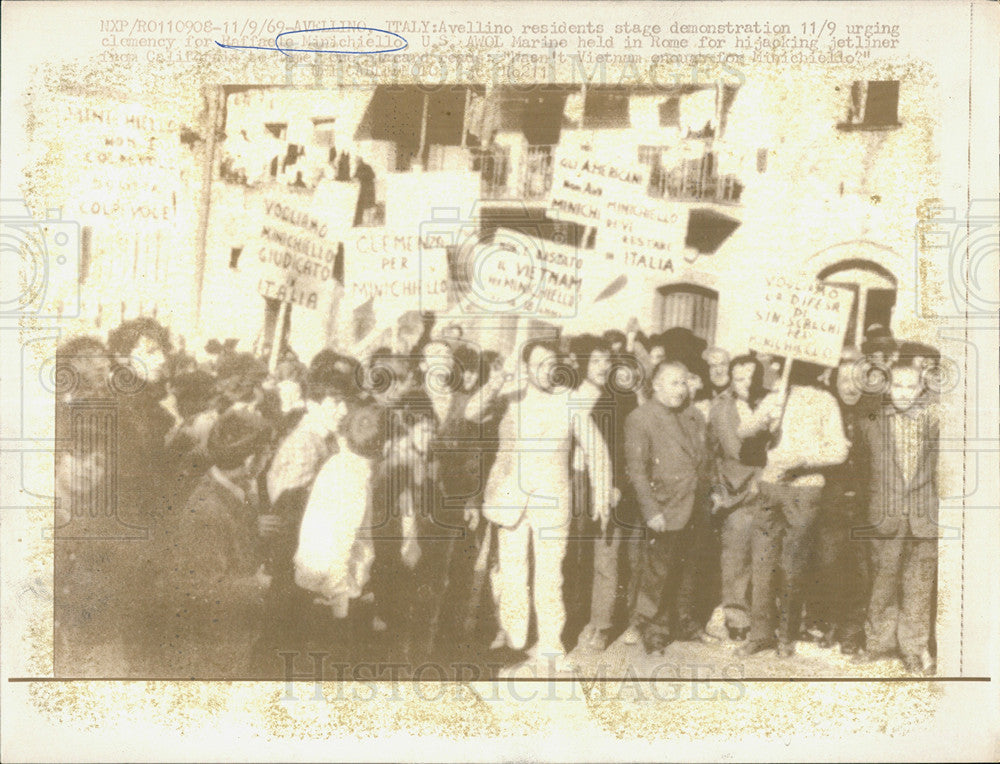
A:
295,245
587,180
801,318
520,274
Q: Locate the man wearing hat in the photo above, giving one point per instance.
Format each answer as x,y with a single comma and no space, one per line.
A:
879,345
213,582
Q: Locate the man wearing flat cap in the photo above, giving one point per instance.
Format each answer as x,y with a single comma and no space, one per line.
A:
213,584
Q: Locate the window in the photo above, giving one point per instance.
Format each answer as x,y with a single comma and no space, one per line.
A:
873,105
493,166
606,109
651,155
323,134
278,129
689,306
670,112
537,172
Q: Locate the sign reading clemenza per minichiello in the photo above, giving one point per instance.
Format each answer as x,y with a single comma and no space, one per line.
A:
398,269
297,237
801,318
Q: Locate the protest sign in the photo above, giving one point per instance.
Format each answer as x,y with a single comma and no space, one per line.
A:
586,179
516,273
644,235
399,270
802,319
297,237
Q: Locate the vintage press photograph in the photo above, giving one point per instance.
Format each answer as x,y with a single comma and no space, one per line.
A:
571,379
513,381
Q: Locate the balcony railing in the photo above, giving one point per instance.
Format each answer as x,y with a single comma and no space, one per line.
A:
695,180
537,180
534,181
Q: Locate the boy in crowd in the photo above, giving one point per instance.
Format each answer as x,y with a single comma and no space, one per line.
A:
900,445
331,385
409,575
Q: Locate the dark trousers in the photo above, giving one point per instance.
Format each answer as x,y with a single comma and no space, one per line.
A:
293,623
664,595
838,581
578,564
415,603
783,533
458,615
904,571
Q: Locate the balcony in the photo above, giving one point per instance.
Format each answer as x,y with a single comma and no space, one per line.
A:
535,176
694,180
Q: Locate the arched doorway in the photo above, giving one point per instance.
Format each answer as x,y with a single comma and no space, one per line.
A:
874,289
690,306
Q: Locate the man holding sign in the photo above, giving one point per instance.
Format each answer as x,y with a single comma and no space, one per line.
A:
804,321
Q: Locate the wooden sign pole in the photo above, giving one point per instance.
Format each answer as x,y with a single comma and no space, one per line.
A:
277,339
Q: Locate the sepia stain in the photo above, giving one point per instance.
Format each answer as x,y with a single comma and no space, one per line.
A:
624,711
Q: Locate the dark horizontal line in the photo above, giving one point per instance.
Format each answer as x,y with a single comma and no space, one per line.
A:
596,680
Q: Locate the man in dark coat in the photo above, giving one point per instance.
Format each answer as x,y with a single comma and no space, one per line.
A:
212,588
900,446
667,461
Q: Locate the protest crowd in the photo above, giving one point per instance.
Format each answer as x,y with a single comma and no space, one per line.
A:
223,514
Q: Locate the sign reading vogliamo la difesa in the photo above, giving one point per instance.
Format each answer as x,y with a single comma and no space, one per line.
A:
801,318
297,238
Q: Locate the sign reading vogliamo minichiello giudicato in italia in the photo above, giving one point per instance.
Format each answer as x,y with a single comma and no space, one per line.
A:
296,240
